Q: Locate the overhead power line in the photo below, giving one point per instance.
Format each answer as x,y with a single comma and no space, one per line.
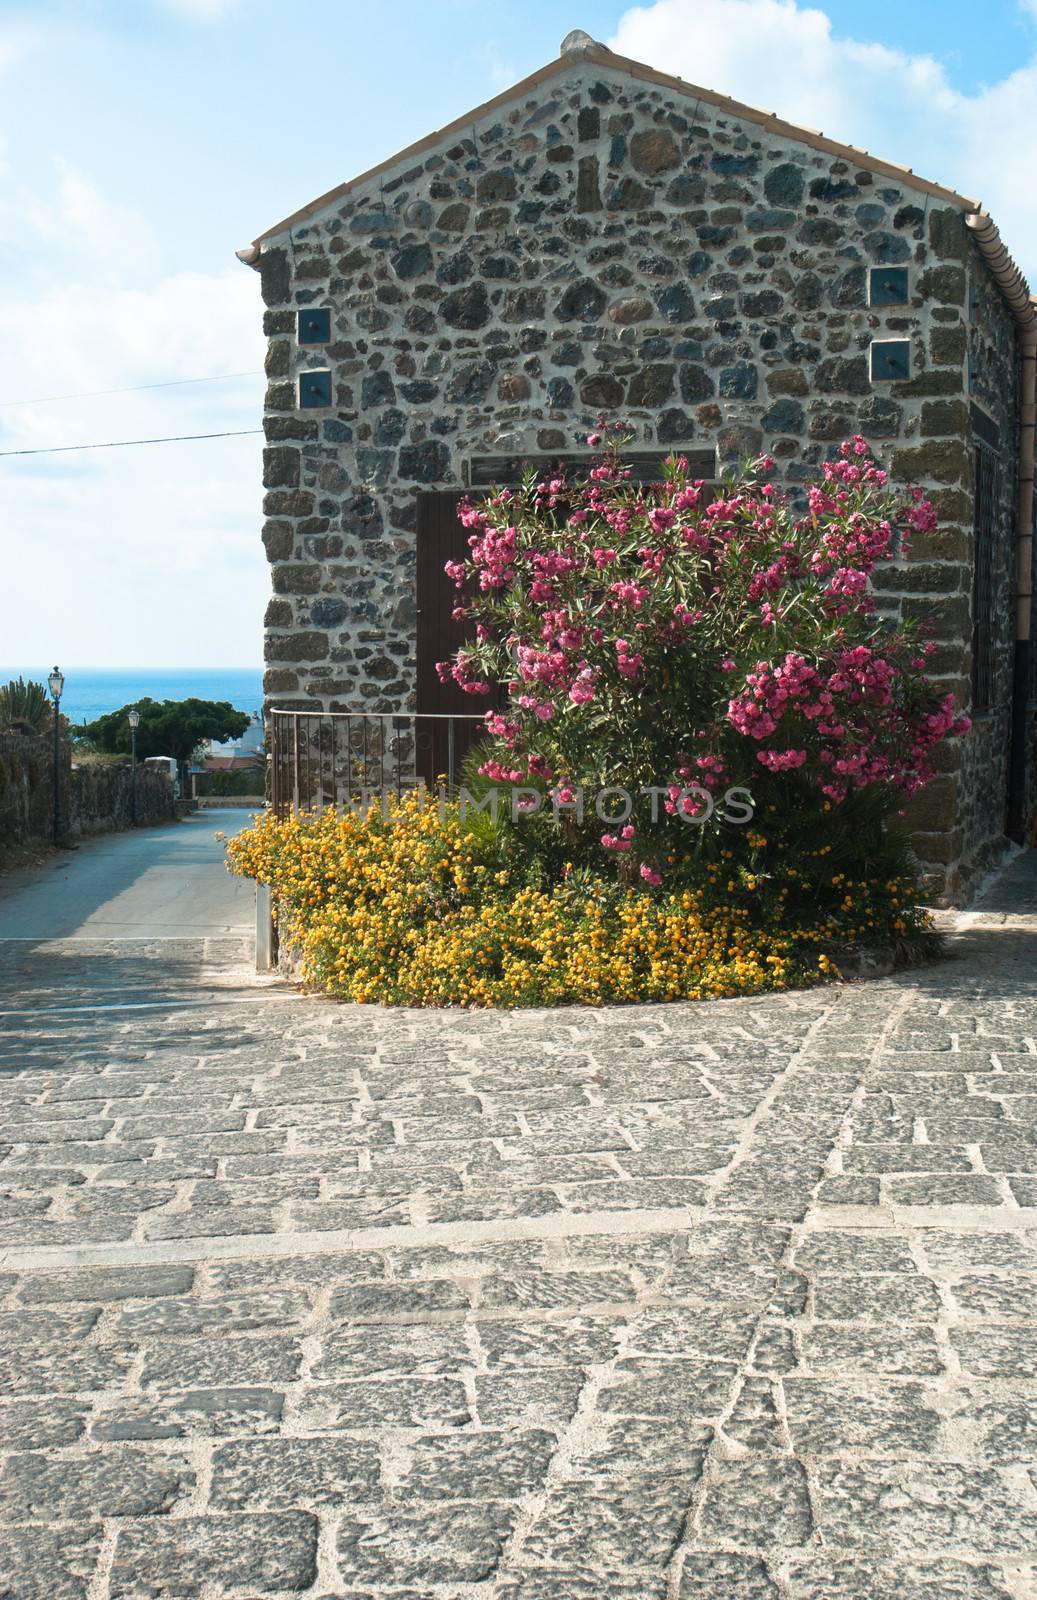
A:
133,388
122,444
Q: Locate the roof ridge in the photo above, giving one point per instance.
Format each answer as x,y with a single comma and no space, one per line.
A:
599,55
1007,274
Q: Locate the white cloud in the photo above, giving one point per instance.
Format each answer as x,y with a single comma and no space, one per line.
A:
900,107
127,556
201,10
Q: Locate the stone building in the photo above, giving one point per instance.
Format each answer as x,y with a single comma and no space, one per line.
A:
603,237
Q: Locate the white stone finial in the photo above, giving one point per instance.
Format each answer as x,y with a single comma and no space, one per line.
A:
577,40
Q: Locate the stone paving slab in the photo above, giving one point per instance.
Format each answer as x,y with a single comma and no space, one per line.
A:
733,1302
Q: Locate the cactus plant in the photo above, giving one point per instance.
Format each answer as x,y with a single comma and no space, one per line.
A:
24,707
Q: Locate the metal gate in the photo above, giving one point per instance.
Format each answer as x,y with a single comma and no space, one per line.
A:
340,758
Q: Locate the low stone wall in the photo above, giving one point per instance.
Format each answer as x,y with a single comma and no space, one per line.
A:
96,796
26,780
102,796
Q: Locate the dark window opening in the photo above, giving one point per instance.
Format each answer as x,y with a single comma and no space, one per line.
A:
984,551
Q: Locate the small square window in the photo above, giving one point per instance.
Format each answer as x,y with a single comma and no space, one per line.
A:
315,325
890,360
315,388
888,286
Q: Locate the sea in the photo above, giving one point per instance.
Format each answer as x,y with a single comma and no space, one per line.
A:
91,691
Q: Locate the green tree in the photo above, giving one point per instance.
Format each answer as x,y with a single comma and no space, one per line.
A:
167,727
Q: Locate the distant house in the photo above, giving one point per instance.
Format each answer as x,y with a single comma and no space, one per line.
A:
605,237
252,740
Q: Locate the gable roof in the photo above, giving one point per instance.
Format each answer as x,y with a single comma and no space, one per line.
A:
577,47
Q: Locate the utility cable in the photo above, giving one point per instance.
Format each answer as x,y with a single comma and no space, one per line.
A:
133,388
121,444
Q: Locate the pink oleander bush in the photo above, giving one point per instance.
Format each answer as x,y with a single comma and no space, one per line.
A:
706,651
716,655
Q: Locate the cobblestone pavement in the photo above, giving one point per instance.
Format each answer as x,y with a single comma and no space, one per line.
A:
694,1301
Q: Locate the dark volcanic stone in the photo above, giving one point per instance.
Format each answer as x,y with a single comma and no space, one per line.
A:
524,305
763,303
582,301
808,293
843,376
602,391
819,230
328,612
471,381
785,416
651,386
947,233
415,261
275,276
739,382
281,468
696,383
466,308
453,218
588,194
674,427
880,417
689,189
457,268
496,186
628,195
425,463
727,163
297,647
418,320
377,390
769,220
738,443
418,391
498,267
676,303
887,247
849,288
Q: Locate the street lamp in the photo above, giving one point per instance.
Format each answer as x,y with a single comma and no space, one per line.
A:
133,718
56,683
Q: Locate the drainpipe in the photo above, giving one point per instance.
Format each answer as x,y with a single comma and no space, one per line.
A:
1014,289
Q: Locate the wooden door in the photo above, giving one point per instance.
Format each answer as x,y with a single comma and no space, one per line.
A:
440,538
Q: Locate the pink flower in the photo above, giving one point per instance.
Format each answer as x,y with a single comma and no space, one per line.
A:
650,875
593,439
781,760
581,690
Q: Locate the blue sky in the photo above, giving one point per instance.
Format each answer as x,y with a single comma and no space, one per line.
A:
142,143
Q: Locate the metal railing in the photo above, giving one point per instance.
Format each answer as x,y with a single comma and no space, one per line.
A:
339,758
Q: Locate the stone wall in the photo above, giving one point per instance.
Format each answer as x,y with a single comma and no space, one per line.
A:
26,787
96,797
992,374
102,796
605,244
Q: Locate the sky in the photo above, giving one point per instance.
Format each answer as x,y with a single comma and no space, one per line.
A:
143,142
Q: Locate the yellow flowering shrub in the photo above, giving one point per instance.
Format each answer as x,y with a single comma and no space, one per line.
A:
421,907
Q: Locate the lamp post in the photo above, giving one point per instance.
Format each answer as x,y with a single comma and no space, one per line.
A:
56,683
133,718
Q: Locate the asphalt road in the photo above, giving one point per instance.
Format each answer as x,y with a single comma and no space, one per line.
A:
150,883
